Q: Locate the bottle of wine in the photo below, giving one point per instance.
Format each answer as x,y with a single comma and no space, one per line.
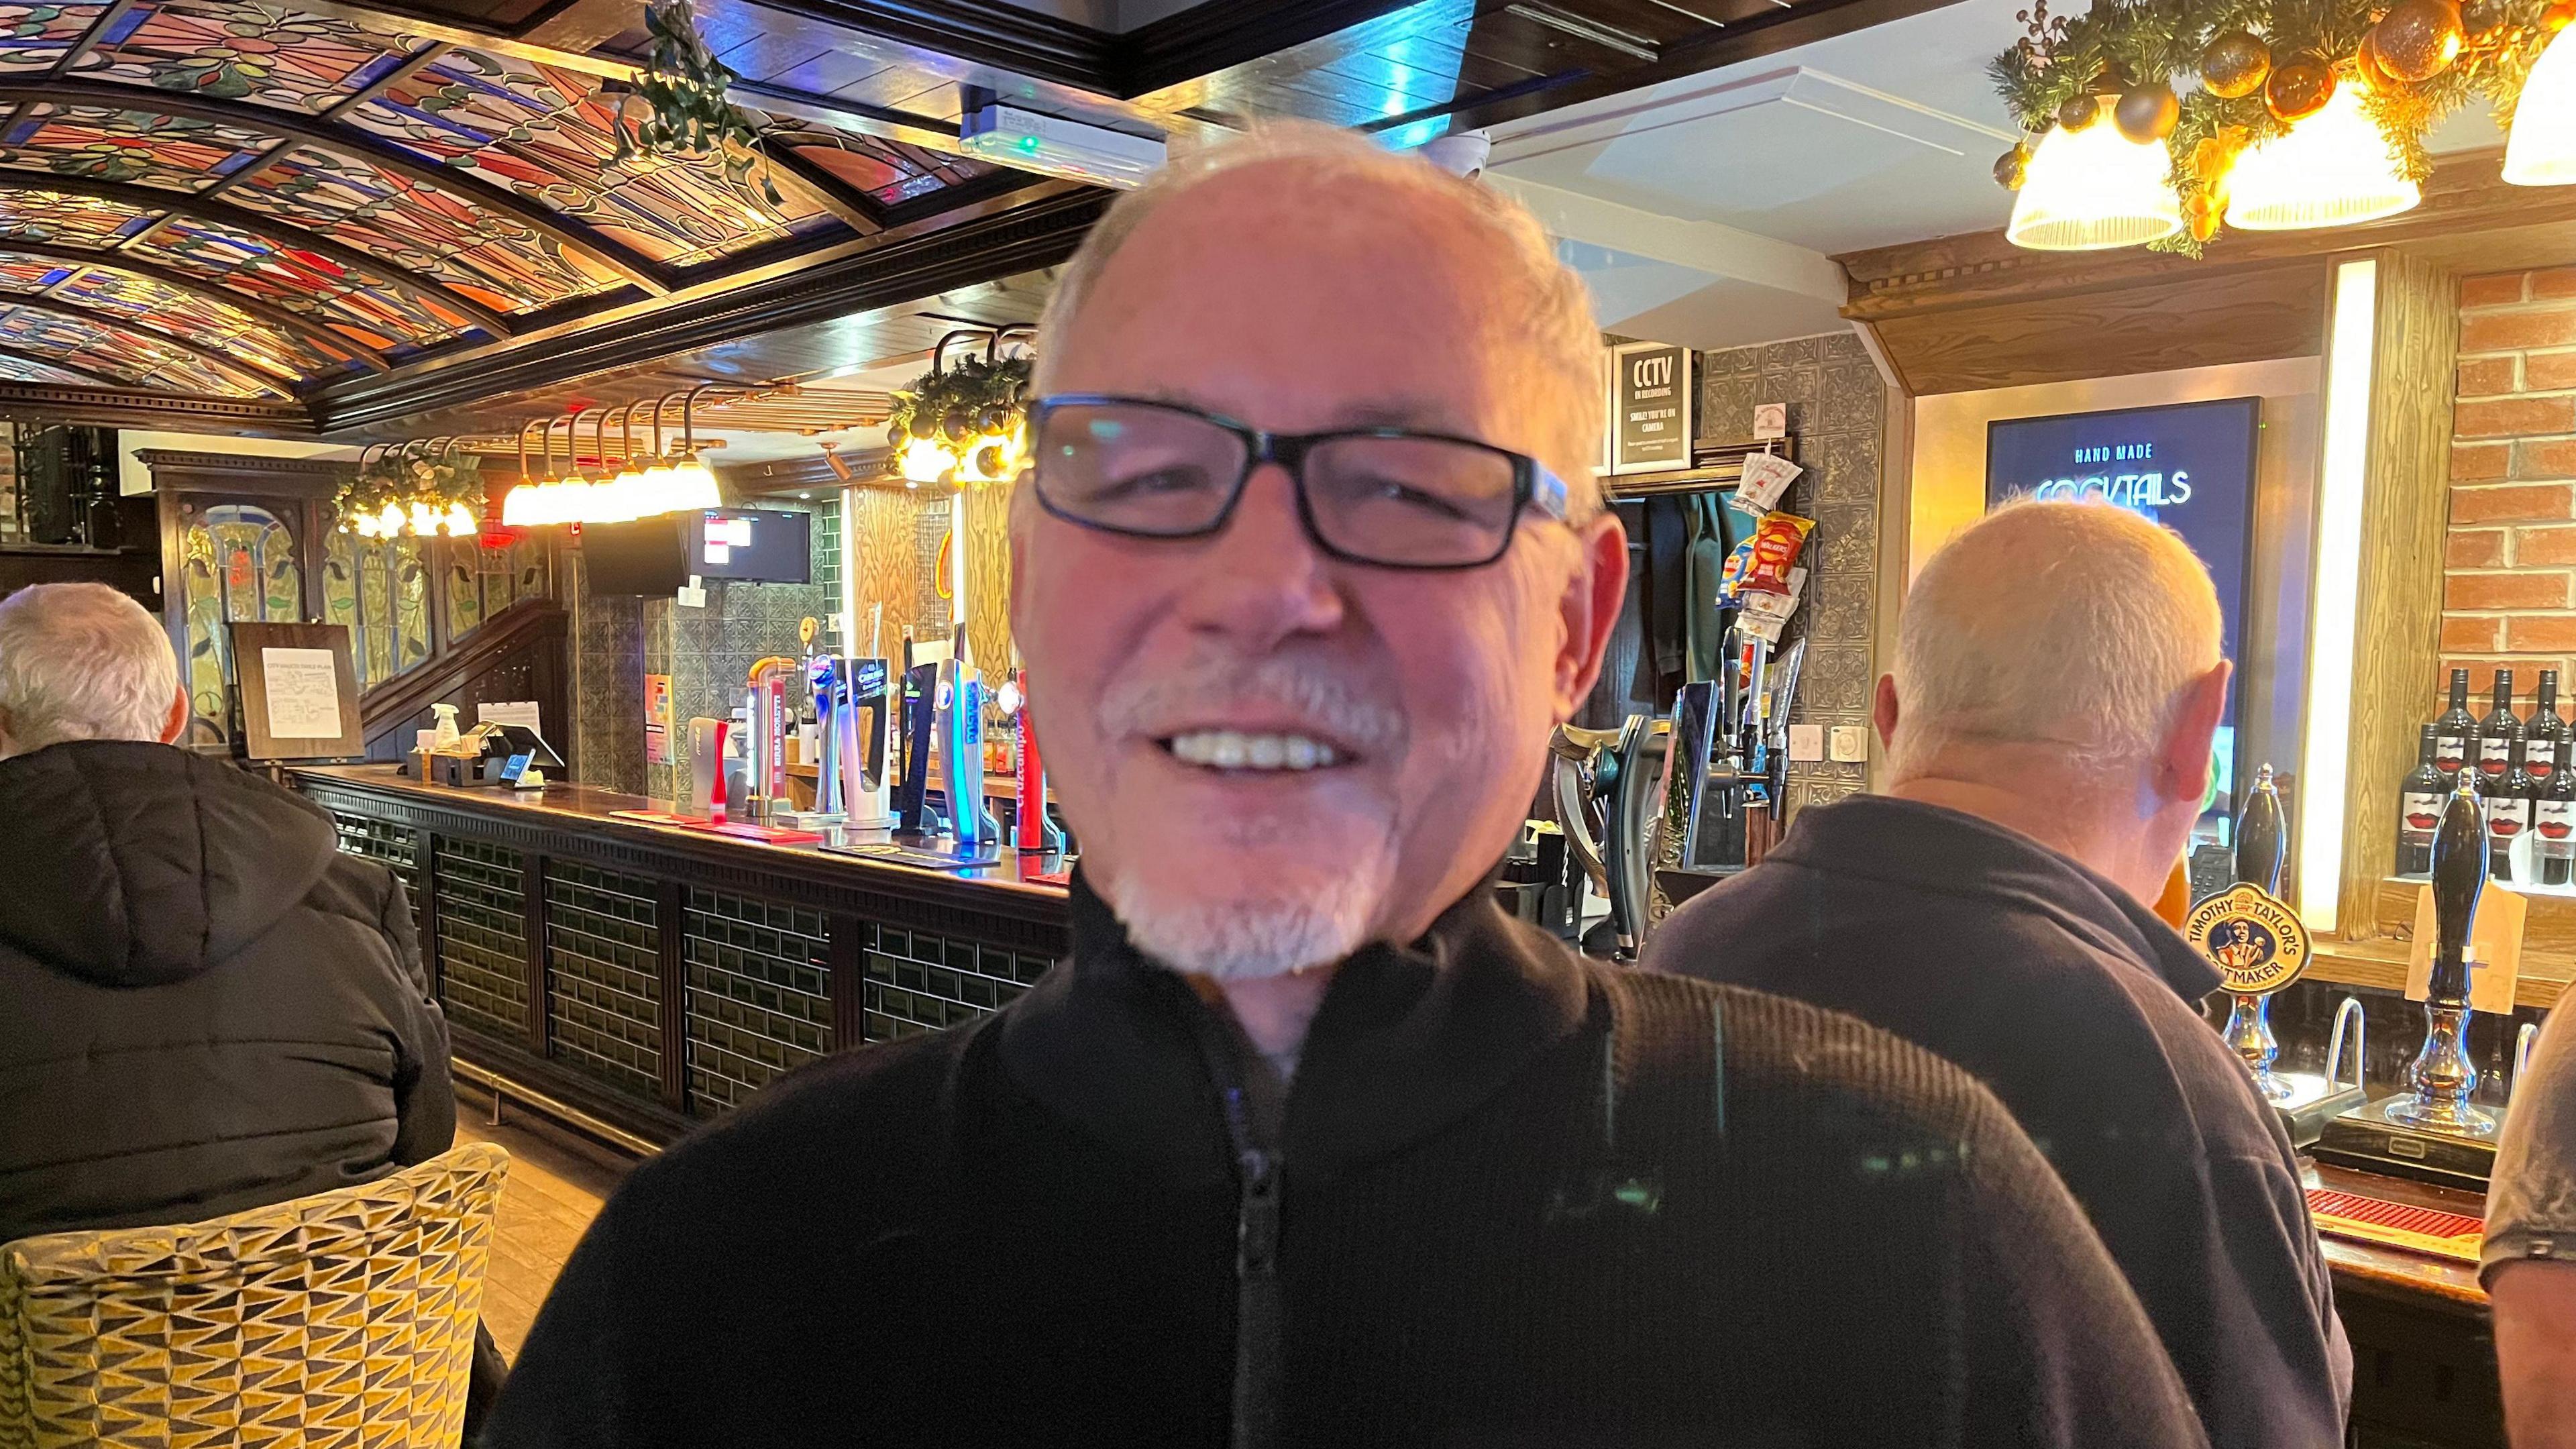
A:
2453,732
2419,808
2546,729
2553,820
2508,798
2500,731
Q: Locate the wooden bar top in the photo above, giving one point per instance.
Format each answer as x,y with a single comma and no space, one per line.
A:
2396,1272
592,811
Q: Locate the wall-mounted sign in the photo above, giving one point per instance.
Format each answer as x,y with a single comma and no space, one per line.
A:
1650,416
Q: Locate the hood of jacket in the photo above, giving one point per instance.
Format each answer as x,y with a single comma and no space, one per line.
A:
133,864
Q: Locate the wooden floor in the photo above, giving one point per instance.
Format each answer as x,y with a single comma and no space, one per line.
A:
555,1187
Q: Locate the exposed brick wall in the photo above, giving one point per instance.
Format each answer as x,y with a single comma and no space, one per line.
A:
2510,593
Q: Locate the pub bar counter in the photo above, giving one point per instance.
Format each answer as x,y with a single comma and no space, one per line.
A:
639,978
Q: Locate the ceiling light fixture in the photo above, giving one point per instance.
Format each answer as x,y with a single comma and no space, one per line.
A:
2331,168
2095,188
2541,151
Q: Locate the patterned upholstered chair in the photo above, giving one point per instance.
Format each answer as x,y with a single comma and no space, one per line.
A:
341,1319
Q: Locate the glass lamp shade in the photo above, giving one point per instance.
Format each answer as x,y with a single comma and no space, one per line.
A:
2333,168
2542,149
926,460
2092,189
693,485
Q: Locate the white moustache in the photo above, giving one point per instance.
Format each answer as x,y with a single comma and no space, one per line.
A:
1211,689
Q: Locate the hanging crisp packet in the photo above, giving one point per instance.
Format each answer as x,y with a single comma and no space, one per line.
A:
1764,614
1766,477
1776,542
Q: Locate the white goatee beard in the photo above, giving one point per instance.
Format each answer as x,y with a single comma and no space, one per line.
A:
1246,940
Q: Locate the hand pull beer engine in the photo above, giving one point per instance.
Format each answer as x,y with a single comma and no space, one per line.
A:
2260,947
2432,1130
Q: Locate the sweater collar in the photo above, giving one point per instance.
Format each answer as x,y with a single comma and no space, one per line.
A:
1934,848
1408,1039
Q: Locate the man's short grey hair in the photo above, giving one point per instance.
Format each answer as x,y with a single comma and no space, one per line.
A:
1545,305
2067,624
81,662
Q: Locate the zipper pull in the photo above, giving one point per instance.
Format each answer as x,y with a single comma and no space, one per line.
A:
1256,1227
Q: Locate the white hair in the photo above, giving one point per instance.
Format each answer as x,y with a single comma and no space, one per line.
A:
2072,625
81,662
1544,306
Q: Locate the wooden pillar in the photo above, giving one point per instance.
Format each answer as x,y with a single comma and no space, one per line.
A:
2404,501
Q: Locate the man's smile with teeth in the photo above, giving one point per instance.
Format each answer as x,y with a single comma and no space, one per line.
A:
1241,750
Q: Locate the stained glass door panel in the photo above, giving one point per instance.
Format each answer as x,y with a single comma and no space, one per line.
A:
239,564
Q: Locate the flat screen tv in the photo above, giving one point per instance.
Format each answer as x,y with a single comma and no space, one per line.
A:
2189,466
647,556
757,545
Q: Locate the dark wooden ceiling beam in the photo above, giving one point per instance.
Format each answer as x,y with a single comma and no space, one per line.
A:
1008,240
2467,206
124,405
233,218
40,360
257,373
565,232
252,307
1735,42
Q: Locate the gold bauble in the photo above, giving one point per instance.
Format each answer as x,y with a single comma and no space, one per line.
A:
2147,113
2235,64
2369,67
2079,112
2298,88
2481,19
2418,39
2011,167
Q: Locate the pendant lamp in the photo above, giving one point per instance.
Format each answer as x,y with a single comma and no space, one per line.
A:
2541,151
2332,168
2095,188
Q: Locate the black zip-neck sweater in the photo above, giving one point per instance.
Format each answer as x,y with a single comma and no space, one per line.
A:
1514,1198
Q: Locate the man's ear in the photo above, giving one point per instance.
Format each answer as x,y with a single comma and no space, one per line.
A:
1882,711
2182,764
175,723
1590,609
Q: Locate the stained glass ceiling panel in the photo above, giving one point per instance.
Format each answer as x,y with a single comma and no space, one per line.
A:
269,55
33,37
28,274
77,221
427,229
22,369
136,359
176,153
359,305
199,319
548,135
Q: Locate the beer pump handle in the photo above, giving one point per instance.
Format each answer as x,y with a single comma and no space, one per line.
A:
2262,836
2459,876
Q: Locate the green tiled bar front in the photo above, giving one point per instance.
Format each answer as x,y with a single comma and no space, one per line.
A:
760,995
920,981
395,847
604,975
482,937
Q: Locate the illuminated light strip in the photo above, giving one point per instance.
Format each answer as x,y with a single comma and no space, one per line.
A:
2335,605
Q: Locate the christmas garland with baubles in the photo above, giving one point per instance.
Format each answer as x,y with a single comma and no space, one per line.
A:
2209,78
970,400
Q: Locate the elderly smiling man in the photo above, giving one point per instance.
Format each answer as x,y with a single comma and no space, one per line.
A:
1307,1142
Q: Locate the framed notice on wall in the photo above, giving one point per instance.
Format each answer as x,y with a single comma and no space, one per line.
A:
299,692
1650,407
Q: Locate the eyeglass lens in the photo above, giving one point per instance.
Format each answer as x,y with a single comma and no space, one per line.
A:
1164,473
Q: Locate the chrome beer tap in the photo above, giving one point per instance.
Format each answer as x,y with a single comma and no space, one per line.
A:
2442,1077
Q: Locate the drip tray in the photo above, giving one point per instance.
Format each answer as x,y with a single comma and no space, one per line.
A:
2430,1231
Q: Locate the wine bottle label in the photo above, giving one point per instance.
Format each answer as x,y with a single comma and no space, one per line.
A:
2508,818
2449,752
2494,756
2420,813
2553,819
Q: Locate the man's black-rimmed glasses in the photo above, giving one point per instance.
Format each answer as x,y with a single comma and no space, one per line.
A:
1391,497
